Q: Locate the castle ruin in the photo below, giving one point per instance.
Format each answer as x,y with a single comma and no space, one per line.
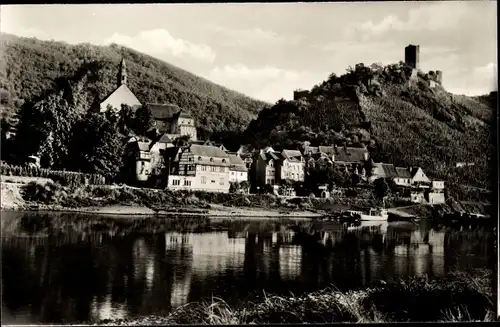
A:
412,59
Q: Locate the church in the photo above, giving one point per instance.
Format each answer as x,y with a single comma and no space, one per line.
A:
168,119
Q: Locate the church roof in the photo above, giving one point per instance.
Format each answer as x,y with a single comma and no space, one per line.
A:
163,111
122,95
167,111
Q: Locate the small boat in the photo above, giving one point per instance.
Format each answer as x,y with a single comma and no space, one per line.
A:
375,215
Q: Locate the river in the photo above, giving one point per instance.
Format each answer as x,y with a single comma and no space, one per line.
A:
81,268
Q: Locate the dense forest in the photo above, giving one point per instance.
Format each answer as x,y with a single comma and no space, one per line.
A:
401,120
31,70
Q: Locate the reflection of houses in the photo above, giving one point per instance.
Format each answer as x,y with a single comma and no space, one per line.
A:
199,168
107,309
213,252
290,261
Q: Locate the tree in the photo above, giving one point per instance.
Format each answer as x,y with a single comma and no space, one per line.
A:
182,141
97,146
45,128
126,120
143,120
381,188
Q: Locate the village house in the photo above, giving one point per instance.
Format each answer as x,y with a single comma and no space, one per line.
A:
350,159
272,167
137,159
238,171
246,154
198,168
291,166
171,120
406,177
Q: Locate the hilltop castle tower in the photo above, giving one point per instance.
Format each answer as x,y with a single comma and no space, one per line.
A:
122,75
412,55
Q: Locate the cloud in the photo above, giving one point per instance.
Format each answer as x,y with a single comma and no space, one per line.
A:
427,17
250,37
267,83
159,41
476,81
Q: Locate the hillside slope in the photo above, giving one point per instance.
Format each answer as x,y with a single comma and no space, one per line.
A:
31,68
398,117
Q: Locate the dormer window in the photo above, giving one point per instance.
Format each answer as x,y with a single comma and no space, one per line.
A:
211,159
223,160
199,158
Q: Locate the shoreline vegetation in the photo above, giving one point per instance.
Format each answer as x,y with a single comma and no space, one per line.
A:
458,297
43,194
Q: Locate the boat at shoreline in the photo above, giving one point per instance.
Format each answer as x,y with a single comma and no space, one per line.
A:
379,214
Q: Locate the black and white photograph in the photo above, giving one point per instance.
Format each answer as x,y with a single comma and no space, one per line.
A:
249,163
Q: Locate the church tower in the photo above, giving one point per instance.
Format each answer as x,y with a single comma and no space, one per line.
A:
122,76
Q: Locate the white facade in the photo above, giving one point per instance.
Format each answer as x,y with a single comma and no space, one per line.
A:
438,185
238,176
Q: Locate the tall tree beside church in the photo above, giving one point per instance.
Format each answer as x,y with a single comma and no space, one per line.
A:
143,120
97,145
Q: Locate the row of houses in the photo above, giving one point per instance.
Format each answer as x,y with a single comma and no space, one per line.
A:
205,166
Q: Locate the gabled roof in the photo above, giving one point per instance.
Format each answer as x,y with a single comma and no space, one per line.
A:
207,151
244,149
165,139
403,172
385,170
347,154
291,154
163,111
182,114
236,163
122,95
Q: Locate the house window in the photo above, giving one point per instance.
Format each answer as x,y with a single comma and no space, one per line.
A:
176,182
271,164
190,159
232,173
268,181
187,183
221,182
203,180
221,169
213,181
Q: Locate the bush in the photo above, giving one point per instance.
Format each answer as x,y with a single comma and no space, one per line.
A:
68,178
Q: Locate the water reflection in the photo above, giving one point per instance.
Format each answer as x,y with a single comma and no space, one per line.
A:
75,277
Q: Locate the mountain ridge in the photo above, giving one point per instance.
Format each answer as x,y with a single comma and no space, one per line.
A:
399,114
31,69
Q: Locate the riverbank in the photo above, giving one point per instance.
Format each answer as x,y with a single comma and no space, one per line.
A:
41,194
124,201
459,297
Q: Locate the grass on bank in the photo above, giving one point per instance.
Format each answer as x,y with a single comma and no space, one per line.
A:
459,297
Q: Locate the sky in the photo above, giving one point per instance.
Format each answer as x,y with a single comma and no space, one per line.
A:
269,50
